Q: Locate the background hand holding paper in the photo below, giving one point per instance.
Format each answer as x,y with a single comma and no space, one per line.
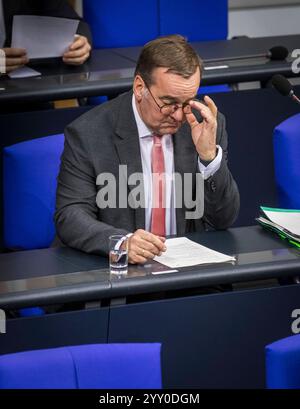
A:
43,37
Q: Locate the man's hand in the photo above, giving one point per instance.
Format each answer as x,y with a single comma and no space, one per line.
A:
78,52
204,133
143,246
15,58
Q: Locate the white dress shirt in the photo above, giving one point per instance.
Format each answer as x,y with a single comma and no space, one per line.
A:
146,143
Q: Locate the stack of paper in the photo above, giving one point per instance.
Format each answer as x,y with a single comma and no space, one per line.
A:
285,222
182,252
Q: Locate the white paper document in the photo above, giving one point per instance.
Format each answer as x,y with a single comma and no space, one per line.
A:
43,37
24,72
182,252
287,219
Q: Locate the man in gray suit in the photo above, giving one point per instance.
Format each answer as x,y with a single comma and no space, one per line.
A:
158,128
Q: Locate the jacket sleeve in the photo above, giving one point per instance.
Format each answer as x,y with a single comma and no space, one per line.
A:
61,8
76,215
221,195
84,30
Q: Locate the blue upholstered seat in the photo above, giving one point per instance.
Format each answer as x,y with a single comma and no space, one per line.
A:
99,366
286,142
283,363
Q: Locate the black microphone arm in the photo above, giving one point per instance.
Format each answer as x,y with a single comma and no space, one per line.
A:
276,53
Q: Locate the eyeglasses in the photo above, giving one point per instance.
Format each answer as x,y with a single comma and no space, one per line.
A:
169,109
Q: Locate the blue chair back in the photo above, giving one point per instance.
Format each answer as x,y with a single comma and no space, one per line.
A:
283,363
198,21
29,183
194,19
99,366
133,23
121,23
286,143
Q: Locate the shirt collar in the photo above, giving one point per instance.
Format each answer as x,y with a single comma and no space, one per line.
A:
143,130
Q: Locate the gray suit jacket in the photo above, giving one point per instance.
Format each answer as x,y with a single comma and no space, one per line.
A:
100,141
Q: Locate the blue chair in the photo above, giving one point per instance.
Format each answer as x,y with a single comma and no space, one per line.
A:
197,21
29,183
286,144
114,25
283,363
194,19
121,24
99,366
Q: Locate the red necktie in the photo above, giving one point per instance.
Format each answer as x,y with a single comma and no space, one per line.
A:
158,220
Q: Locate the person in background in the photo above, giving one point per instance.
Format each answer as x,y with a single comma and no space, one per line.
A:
79,50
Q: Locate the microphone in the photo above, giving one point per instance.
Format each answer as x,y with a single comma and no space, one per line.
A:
276,53
284,87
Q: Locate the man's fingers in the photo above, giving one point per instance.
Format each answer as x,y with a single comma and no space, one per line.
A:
149,247
205,110
135,259
79,52
14,52
15,61
190,117
155,240
78,56
15,58
211,105
78,42
144,246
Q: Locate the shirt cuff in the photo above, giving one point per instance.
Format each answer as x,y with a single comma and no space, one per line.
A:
213,166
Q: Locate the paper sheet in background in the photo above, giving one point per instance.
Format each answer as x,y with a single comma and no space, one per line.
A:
182,252
24,72
43,37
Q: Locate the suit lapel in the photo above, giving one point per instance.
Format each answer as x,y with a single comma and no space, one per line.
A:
128,148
